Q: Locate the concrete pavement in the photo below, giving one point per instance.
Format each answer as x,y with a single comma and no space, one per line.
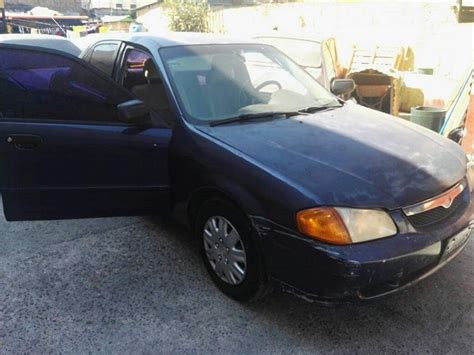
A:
136,285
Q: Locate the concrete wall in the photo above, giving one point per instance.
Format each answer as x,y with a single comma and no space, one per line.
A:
429,28
154,18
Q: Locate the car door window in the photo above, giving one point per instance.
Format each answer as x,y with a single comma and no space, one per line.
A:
103,57
45,85
142,78
133,68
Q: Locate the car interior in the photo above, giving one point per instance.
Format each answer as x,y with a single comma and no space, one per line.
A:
215,85
144,81
220,91
231,81
152,92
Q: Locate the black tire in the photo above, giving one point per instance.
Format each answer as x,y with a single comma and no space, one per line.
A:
254,286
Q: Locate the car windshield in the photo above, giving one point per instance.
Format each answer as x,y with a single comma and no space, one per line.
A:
215,82
304,52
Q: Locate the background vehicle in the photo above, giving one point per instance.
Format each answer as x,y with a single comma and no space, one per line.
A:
43,41
317,56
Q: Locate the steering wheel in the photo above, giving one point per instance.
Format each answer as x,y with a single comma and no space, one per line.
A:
244,93
268,83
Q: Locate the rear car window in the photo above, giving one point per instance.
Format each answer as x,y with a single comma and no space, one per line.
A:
103,57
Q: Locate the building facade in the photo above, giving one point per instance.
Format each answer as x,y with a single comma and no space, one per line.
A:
100,8
110,4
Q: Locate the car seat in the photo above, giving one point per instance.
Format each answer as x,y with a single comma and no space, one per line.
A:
227,81
152,93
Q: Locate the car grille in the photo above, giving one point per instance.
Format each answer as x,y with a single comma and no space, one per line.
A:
436,215
440,208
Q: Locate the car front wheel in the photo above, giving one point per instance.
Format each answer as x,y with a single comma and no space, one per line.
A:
230,251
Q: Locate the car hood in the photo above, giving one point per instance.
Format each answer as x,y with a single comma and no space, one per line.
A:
350,156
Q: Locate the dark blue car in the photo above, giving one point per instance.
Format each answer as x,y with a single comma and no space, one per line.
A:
283,182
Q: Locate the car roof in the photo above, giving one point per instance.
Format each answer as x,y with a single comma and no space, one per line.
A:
169,39
43,41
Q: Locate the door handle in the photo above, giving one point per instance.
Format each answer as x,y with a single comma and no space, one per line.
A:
24,141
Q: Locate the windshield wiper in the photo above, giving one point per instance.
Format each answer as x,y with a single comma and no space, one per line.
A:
286,114
251,116
313,109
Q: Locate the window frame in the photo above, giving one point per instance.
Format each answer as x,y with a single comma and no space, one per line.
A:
85,65
121,57
120,70
88,56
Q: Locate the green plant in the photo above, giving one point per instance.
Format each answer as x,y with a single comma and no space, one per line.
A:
188,16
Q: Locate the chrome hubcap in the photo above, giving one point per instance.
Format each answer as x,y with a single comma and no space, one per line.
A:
225,250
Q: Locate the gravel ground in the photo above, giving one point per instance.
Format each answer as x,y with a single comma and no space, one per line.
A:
136,285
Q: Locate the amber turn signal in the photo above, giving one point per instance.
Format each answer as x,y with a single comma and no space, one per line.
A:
323,224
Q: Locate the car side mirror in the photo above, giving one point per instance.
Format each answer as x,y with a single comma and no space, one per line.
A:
457,134
342,86
134,112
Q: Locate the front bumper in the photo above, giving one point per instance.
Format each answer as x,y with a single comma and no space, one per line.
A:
335,274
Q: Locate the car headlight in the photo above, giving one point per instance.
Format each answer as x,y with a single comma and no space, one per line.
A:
343,226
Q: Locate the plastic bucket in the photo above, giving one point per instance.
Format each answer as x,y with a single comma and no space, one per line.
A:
429,117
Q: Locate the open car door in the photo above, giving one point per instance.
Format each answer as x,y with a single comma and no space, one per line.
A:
63,151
